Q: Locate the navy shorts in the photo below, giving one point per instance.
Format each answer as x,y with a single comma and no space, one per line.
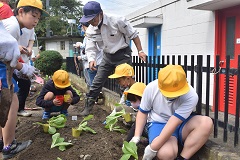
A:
180,141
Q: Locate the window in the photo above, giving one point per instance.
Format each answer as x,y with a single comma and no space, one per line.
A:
62,45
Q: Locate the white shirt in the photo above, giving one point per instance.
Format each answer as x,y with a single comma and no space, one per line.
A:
161,109
12,26
27,35
114,34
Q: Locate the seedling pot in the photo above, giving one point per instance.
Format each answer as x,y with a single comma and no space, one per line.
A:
75,132
66,97
45,128
127,117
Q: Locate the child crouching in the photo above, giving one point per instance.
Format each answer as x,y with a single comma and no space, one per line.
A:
57,95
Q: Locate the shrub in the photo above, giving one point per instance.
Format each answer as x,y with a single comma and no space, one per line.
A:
64,66
49,62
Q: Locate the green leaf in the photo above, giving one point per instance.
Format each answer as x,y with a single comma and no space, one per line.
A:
54,139
59,158
89,129
62,148
58,141
125,157
130,148
51,130
88,117
39,123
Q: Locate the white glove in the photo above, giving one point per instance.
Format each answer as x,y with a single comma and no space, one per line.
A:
9,50
149,154
27,71
135,140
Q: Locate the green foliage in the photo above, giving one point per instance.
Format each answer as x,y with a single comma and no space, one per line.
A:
64,66
55,122
49,62
60,11
129,149
112,119
58,141
83,125
76,90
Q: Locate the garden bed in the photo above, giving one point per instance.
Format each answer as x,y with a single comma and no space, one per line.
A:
104,145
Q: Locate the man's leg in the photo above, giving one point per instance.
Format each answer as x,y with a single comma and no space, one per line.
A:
104,70
195,133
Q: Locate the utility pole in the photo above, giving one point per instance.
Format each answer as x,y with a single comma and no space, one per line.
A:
47,22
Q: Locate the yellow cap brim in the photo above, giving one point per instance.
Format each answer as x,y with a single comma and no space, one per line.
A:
114,76
133,91
62,86
178,93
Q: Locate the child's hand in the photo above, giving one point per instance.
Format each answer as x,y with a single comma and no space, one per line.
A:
57,102
23,50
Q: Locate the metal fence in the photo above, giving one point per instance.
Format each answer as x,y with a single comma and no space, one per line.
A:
193,66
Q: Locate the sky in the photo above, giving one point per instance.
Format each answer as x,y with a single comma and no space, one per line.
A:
121,7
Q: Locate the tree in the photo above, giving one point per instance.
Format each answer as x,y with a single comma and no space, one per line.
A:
60,11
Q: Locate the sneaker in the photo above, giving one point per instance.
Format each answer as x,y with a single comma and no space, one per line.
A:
65,112
46,115
1,145
14,148
24,113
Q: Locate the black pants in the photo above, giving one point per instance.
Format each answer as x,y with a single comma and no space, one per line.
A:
131,133
106,67
24,87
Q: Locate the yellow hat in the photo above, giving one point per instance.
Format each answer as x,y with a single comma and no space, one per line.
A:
136,89
122,70
61,79
33,3
172,81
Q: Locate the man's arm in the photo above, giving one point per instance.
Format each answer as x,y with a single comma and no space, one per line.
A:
166,133
138,45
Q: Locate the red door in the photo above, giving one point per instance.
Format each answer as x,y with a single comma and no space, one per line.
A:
228,43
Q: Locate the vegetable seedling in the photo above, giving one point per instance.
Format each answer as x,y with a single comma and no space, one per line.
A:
129,149
58,141
55,122
112,119
83,125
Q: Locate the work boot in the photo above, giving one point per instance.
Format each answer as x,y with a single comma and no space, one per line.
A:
89,103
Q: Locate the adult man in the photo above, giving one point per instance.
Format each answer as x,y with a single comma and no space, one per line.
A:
167,106
113,35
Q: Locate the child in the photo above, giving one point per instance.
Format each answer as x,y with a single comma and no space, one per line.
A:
124,75
134,95
28,15
59,86
25,42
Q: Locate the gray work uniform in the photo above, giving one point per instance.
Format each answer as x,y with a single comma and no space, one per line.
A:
113,37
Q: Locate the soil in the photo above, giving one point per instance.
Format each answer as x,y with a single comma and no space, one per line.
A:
104,145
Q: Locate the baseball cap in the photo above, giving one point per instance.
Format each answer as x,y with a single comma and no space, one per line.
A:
33,3
172,81
61,79
90,10
122,70
136,89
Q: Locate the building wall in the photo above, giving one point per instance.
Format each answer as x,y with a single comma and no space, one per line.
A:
184,31
56,45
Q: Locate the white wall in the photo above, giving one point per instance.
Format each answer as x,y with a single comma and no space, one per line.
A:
184,31
55,45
